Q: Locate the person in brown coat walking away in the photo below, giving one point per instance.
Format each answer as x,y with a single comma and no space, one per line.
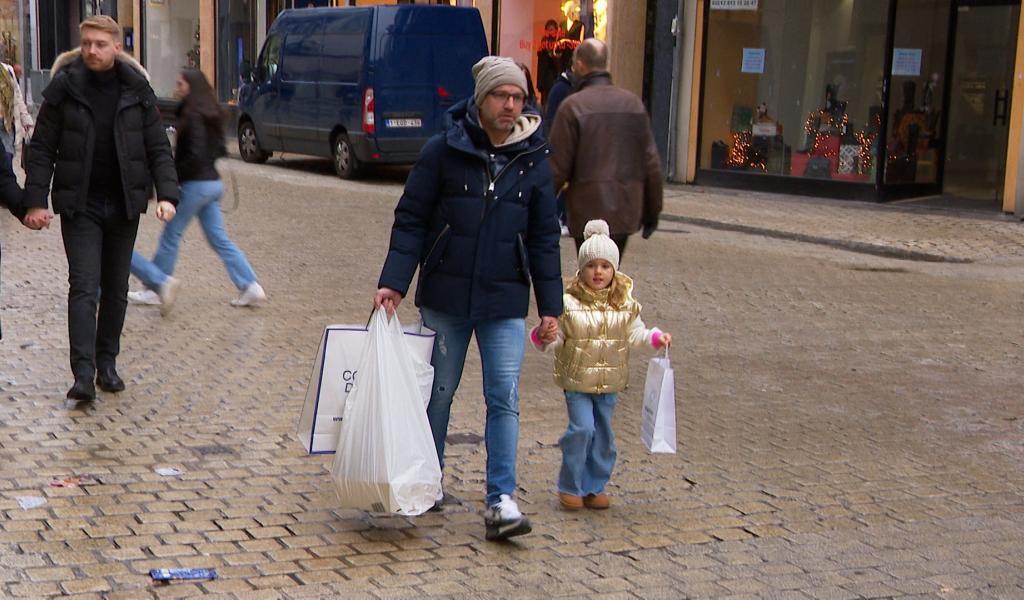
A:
603,149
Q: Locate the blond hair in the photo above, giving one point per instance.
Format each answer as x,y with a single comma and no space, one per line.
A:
103,23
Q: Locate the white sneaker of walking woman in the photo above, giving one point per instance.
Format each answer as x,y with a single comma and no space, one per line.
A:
164,298
250,296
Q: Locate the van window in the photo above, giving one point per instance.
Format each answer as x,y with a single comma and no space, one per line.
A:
344,40
301,58
270,60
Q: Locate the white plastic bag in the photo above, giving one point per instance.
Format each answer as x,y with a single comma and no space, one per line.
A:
386,460
334,376
658,423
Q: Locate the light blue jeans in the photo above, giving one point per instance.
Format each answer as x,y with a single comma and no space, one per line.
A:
501,343
198,199
588,445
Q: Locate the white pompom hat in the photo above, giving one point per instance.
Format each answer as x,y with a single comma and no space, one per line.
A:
597,244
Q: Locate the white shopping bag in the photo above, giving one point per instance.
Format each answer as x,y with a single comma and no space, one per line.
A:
334,375
658,424
386,460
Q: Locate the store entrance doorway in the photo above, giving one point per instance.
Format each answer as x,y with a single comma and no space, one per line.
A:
979,102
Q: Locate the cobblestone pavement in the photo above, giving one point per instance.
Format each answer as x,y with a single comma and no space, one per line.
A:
850,425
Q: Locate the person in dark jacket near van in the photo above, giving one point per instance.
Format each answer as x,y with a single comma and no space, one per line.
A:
477,219
100,139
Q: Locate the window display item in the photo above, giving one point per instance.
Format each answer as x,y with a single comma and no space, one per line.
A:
848,155
819,167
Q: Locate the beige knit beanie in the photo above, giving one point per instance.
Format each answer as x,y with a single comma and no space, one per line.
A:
598,244
492,71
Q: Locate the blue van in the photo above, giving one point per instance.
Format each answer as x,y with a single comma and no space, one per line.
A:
362,85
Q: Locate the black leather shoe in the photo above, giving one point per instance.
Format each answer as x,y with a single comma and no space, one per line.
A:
83,390
108,380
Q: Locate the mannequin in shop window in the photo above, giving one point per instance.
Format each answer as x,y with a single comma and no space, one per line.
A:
571,30
549,59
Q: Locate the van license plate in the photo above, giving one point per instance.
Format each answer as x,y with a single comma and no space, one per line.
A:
396,123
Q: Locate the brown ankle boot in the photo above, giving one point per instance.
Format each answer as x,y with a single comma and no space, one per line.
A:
570,502
598,501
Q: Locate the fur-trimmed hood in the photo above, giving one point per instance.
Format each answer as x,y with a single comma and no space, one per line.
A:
66,58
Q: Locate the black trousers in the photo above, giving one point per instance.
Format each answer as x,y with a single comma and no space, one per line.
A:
98,243
620,240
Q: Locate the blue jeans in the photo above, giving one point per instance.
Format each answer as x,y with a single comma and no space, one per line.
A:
588,445
501,343
198,199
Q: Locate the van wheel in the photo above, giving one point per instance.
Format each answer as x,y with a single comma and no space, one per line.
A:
346,165
249,144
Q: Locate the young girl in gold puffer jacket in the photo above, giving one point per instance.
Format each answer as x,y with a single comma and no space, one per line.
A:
600,323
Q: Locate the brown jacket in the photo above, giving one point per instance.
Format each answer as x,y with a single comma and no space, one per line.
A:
602,146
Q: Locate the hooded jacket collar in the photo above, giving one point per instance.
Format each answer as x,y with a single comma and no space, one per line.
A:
70,69
617,295
466,134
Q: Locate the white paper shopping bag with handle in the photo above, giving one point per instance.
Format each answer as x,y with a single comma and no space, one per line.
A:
658,423
334,375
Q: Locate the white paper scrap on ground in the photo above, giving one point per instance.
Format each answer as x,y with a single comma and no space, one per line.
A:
168,471
27,502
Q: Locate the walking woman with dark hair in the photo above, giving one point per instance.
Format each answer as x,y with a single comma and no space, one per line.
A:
200,142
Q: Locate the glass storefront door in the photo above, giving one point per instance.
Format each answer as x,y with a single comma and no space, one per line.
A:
171,43
979,107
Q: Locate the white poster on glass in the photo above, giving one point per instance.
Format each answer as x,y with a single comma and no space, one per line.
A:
906,61
753,60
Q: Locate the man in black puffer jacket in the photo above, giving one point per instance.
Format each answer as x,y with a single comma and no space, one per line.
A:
99,137
478,220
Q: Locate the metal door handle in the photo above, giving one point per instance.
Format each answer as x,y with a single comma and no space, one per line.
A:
1001,108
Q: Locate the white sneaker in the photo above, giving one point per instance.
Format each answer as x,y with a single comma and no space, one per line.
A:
250,296
503,520
144,297
168,294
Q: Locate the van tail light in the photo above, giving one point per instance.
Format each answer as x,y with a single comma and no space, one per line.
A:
442,92
369,122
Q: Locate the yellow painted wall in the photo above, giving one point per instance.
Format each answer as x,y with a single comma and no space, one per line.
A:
1013,189
626,28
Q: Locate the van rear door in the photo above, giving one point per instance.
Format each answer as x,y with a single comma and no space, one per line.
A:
424,56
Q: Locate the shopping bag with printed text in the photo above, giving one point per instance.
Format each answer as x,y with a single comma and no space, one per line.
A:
334,375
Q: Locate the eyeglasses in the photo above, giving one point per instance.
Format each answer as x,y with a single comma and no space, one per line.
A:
503,97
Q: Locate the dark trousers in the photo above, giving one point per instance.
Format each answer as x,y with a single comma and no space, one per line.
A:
620,240
98,243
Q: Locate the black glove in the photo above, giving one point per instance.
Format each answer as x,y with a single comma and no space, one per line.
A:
649,229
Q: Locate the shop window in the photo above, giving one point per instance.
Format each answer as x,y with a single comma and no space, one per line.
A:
172,42
236,44
794,88
9,37
918,69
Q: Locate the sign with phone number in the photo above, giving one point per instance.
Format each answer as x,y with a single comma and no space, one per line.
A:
733,4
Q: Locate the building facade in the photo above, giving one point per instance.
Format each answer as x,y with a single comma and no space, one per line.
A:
873,99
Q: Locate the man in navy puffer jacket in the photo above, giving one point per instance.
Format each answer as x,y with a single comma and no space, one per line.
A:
477,219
